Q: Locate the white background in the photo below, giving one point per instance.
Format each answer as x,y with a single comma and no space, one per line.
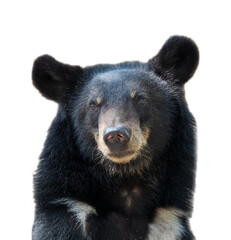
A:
90,32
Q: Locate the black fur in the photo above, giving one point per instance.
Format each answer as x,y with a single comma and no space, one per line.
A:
177,60
54,79
71,167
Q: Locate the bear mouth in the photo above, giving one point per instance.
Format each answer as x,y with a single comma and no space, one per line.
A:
122,157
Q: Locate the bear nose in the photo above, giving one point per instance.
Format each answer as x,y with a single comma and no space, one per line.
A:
116,136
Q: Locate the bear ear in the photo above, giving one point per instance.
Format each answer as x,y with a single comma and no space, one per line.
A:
176,61
53,79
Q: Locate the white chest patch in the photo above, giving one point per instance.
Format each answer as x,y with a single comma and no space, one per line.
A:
81,210
166,225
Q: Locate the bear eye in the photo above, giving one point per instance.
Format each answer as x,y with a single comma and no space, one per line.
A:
141,100
93,106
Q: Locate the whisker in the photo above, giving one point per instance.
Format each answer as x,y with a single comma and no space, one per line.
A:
98,156
145,155
92,155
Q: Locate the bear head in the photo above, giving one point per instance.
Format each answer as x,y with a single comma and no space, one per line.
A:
122,115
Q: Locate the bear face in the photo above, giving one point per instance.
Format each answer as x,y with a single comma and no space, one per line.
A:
122,107
122,113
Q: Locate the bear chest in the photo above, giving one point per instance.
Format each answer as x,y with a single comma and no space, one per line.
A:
130,199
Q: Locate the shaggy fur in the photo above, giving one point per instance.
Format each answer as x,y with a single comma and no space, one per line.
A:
93,185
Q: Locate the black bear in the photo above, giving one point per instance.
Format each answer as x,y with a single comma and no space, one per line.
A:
120,156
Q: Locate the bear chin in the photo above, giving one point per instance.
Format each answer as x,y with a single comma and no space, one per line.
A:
129,165
122,158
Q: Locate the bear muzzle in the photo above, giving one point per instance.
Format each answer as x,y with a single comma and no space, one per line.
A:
117,141
119,137
116,137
